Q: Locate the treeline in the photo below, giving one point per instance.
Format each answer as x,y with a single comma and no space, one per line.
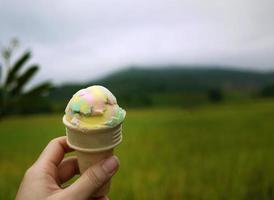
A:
138,86
176,86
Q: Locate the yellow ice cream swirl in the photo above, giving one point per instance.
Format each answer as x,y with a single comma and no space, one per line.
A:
94,107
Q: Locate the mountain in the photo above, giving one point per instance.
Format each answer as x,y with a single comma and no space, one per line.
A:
142,86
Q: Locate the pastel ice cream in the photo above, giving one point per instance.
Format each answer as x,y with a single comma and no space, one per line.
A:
94,107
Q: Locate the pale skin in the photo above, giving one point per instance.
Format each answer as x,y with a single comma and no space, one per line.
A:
44,178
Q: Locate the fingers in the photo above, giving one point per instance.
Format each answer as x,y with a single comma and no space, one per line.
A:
67,169
54,151
93,178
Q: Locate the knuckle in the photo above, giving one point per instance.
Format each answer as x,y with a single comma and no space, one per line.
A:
30,172
33,171
53,141
94,178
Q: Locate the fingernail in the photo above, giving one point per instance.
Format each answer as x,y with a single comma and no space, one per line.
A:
111,164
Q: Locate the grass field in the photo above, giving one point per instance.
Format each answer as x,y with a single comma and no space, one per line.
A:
211,152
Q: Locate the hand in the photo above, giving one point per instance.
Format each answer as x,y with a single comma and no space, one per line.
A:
44,178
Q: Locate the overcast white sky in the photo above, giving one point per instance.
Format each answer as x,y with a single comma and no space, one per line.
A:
82,40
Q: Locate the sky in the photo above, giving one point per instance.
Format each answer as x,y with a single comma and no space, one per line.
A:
76,41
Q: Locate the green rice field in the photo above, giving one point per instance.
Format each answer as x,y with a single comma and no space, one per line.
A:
211,152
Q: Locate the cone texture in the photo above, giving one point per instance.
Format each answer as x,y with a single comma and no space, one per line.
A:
92,146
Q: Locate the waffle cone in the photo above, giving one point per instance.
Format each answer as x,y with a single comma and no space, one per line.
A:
92,146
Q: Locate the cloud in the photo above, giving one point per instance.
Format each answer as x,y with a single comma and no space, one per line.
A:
80,40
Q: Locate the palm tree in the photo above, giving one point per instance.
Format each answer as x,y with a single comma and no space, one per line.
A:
13,80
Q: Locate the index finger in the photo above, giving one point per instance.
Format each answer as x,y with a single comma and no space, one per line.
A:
55,151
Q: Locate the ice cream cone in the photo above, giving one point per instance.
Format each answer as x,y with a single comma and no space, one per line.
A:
93,121
85,160
92,146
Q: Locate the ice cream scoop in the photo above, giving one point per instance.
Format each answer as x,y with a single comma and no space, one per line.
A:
93,121
94,107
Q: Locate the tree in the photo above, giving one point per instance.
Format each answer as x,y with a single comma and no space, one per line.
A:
267,91
13,80
215,95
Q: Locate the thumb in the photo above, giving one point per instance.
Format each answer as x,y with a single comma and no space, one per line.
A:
92,179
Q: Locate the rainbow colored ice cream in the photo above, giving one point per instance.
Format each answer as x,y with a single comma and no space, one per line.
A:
94,107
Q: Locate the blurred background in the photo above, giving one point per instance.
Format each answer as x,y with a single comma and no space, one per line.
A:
196,79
